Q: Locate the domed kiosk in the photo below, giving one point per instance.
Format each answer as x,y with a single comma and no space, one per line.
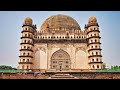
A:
28,20
92,19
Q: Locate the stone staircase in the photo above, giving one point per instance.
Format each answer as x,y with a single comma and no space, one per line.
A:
62,76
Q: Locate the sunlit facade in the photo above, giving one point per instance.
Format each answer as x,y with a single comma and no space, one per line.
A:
60,45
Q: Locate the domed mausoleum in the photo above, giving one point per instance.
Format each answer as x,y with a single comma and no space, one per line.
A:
60,45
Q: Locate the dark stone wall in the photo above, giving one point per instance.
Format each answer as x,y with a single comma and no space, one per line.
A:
80,75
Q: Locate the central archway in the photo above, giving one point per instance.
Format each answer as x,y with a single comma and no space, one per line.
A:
60,60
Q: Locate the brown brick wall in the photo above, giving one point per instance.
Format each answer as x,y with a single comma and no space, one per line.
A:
83,75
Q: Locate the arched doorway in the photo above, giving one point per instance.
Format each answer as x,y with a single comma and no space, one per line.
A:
60,60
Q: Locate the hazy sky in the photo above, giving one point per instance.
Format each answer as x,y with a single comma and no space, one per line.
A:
10,32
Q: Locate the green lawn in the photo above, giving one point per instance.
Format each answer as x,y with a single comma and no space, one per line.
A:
110,70
14,71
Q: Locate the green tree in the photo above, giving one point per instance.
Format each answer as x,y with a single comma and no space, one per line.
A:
4,67
119,67
116,67
104,66
112,67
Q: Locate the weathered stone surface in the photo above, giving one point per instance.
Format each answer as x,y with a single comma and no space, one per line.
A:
80,75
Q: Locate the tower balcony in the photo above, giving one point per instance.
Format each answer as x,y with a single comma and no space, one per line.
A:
26,50
93,31
27,24
94,62
27,37
27,31
28,43
26,56
25,63
93,43
92,24
94,56
94,49
94,37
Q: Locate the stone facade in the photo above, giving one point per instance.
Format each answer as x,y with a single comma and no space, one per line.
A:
60,45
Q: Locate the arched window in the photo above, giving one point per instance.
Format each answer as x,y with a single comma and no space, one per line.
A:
91,35
28,35
24,53
27,60
91,41
28,47
71,36
93,66
28,41
92,53
97,66
94,34
95,46
25,35
25,41
79,36
26,29
95,40
96,53
23,60
92,60
91,46
24,47
97,59
27,67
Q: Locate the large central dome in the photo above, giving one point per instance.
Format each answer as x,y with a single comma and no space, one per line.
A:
58,22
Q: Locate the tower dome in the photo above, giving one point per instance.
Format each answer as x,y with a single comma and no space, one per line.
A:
60,21
28,20
92,19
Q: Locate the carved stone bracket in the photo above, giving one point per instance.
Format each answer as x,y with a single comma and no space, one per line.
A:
41,48
80,48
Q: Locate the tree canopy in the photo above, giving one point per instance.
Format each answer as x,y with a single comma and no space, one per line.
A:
4,67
